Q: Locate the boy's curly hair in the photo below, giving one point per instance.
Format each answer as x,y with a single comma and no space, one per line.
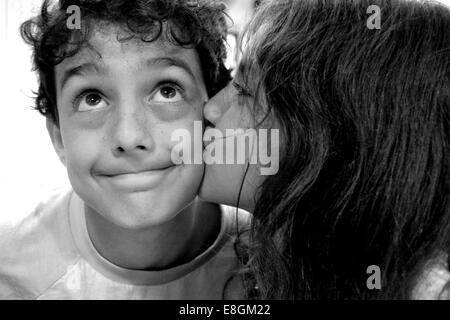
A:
199,24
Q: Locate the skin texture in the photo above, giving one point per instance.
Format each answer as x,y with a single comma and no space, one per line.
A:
235,108
117,113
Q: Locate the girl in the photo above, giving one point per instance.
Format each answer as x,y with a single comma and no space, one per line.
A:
360,93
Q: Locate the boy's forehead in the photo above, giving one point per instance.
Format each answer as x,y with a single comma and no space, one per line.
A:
105,45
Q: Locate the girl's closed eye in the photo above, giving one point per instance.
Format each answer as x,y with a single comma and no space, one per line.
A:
243,94
241,90
89,100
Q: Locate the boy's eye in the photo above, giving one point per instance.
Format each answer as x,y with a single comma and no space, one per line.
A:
91,101
167,94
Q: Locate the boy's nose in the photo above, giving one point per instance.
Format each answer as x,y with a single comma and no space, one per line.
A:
131,133
217,106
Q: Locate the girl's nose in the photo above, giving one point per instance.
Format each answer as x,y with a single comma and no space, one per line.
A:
217,106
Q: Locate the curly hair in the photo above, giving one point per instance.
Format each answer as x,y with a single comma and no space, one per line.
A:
199,24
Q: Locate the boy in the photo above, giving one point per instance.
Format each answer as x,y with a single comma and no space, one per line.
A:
113,92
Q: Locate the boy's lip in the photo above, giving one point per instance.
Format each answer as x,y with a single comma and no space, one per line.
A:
122,172
135,180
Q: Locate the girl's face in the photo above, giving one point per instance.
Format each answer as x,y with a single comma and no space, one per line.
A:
242,149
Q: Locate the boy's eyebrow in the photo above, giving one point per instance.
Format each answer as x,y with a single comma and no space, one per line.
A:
76,71
169,61
160,61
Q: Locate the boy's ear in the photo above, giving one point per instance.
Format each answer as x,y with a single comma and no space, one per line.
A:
55,136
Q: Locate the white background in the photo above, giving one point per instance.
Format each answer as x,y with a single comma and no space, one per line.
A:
29,168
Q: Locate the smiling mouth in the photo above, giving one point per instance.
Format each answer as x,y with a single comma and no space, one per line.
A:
136,181
134,173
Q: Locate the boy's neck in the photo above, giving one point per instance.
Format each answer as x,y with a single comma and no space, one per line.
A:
176,242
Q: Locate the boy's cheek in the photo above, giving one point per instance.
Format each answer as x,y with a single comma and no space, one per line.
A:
90,121
186,141
81,146
190,110
176,113
186,121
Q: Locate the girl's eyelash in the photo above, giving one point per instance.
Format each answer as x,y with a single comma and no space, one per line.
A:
242,91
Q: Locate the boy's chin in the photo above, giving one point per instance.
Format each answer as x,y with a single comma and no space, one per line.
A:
143,213
142,209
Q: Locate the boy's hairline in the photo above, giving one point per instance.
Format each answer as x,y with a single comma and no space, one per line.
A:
162,38
179,36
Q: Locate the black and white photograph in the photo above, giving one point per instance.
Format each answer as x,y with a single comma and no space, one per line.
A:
247,151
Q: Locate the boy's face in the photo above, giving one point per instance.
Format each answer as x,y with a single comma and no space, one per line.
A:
118,106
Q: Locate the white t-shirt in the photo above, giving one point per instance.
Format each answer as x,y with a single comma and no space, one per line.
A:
49,255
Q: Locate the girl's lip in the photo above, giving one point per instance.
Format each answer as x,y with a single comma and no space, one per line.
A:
223,135
206,143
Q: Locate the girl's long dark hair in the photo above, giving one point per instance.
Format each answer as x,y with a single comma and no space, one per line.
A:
365,177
